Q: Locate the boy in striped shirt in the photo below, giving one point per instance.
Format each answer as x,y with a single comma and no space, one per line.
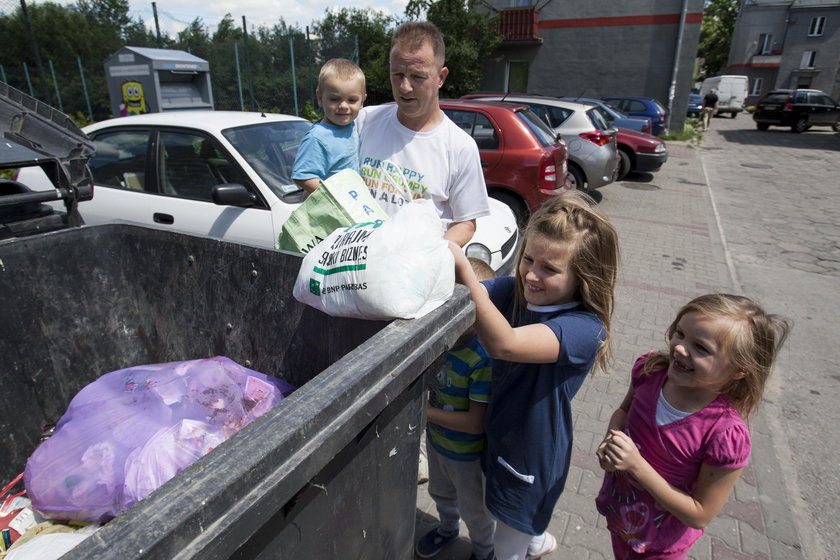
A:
455,439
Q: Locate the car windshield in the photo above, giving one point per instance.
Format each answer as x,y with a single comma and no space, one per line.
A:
615,109
544,135
775,98
659,106
606,113
270,149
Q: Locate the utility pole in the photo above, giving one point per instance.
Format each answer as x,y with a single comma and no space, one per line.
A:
157,25
36,52
248,64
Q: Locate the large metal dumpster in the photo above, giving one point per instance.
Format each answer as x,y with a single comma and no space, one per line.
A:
330,472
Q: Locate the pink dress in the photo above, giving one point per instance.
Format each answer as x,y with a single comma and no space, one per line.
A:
715,435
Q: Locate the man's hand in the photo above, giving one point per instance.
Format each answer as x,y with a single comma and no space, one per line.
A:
460,232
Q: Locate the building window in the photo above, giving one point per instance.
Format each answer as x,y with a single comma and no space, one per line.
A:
817,26
808,58
517,78
756,86
765,43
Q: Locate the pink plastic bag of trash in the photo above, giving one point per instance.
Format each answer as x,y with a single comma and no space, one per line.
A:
131,430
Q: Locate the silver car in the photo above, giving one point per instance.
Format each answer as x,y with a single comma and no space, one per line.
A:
590,141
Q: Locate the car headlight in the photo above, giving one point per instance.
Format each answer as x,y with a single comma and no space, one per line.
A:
478,251
659,148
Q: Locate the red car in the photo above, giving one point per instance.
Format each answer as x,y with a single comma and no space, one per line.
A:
524,164
639,152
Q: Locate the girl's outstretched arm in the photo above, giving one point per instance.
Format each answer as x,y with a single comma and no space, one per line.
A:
534,344
714,484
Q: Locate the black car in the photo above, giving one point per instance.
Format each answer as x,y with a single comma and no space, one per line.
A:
800,109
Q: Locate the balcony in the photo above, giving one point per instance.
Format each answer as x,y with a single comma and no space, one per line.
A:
766,61
519,25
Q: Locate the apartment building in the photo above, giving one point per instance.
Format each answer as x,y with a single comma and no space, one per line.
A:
787,44
597,48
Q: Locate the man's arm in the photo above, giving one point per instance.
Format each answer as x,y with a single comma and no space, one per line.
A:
460,232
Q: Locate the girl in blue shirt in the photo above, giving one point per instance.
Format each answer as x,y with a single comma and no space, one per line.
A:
546,328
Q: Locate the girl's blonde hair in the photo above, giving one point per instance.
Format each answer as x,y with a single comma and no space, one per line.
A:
592,243
751,344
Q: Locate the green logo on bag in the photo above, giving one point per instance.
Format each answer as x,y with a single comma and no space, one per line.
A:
314,287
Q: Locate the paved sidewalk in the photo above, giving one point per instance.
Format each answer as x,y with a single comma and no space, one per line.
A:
671,252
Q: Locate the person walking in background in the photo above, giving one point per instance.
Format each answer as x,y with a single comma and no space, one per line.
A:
438,160
679,441
710,107
332,144
546,329
455,440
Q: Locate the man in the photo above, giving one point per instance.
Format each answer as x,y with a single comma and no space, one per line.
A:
710,107
414,143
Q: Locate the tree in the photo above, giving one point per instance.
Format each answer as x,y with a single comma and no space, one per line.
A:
195,39
86,32
471,37
716,35
339,33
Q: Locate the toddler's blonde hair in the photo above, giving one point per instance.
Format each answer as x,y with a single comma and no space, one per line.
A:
341,69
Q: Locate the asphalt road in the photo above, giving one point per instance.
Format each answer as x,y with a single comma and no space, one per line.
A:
778,206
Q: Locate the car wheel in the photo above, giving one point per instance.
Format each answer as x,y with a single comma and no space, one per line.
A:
801,125
576,178
762,126
625,164
517,205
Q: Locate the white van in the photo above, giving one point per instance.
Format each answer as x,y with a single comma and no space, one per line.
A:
731,92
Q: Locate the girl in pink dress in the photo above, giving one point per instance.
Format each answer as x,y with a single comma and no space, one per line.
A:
678,442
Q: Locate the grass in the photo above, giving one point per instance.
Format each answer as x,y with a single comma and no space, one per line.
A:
691,133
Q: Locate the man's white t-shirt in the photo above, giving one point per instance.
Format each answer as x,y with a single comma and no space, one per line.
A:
442,165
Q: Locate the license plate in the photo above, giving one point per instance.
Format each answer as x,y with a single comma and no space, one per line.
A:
770,107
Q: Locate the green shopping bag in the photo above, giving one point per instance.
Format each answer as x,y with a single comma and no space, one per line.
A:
341,201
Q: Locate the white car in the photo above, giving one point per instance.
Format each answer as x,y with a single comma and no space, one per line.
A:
222,174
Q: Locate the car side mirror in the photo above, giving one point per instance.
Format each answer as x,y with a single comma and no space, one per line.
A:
233,194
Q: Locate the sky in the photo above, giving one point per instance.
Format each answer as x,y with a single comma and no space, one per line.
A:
175,15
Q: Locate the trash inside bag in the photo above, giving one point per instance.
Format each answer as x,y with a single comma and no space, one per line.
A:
131,430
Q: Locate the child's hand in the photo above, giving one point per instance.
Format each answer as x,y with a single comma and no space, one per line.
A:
601,452
619,452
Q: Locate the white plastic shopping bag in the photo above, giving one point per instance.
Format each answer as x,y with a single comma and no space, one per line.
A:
399,268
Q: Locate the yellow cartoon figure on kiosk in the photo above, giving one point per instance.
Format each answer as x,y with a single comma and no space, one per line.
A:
133,98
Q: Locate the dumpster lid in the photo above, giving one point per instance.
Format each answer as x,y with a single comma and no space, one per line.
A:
47,132
33,133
